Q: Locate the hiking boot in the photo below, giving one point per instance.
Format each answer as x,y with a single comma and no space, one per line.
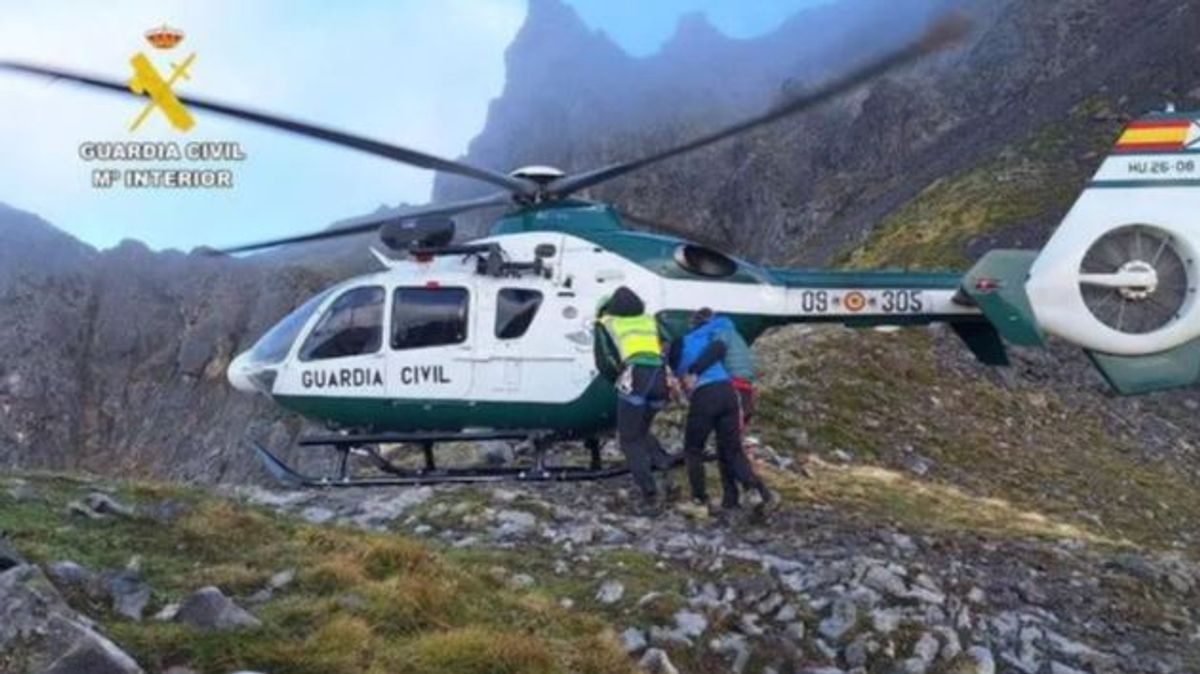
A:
694,510
648,506
768,503
725,512
669,488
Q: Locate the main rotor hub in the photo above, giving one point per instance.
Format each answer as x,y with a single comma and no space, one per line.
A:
1145,288
539,175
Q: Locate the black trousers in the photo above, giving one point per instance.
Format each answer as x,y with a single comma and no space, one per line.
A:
643,452
715,407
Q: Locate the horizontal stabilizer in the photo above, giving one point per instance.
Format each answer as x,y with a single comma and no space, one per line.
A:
996,284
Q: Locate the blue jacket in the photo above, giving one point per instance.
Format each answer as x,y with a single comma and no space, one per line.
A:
739,357
694,344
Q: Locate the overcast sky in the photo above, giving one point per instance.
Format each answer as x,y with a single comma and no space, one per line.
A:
419,72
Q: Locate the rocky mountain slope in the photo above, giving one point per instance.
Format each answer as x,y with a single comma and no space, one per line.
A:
941,516
114,361
812,188
867,570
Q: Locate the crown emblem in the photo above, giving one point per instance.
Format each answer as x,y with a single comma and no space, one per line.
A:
164,37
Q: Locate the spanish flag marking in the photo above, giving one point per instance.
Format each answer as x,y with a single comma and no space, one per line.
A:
1156,136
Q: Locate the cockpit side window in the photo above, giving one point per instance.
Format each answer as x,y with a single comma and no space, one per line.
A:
515,310
424,317
274,346
352,326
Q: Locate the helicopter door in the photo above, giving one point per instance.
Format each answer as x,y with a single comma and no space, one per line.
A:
521,344
430,343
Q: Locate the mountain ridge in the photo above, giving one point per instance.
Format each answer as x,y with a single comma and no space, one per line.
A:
816,186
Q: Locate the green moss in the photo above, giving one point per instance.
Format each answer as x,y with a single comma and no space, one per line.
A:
1041,176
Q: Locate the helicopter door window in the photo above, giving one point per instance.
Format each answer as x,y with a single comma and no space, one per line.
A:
352,326
515,310
424,317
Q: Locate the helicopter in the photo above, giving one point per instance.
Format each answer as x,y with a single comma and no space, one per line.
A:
493,339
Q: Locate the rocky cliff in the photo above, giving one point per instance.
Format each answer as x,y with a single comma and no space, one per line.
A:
812,188
114,361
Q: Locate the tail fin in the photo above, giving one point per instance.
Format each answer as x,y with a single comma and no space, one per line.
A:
1119,275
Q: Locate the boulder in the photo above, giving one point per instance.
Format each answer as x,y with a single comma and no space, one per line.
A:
128,592
209,609
39,632
71,576
93,656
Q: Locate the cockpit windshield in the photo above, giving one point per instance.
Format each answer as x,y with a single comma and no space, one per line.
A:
273,347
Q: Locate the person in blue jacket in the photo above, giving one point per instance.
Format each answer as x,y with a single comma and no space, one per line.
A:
739,362
698,360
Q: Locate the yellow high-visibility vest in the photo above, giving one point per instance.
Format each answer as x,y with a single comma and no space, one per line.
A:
634,335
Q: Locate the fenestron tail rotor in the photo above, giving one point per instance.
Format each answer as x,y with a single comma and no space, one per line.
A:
1134,280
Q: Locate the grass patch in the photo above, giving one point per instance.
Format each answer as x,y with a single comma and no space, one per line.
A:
887,398
361,602
890,495
1038,177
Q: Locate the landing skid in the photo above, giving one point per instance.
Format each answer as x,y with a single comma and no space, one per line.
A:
390,474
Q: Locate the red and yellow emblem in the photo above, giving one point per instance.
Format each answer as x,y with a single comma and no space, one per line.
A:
164,37
1169,135
148,82
854,301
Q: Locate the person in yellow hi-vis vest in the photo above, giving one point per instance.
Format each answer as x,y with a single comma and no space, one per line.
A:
630,349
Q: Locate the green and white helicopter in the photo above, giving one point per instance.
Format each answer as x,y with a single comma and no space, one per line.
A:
494,339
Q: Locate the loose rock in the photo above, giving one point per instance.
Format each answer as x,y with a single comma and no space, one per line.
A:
633,640
104,504
610,592
840,621
655,661
128,593
209,609
690,623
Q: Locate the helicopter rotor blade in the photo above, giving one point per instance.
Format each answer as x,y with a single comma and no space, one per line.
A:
378,148
370,223
942,34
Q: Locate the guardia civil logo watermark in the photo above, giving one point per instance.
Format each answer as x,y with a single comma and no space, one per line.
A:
143,164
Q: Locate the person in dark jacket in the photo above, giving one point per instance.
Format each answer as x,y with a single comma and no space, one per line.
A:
698,360
739,362
631,338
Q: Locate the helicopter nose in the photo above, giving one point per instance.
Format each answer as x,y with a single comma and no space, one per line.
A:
249,377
